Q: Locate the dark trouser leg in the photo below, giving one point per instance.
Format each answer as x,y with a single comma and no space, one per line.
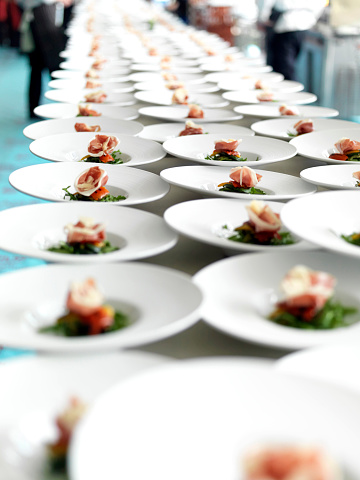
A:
285,50
36,68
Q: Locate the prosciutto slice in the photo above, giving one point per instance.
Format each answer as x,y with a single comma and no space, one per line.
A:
262,217
285,110
85,231
99,63
96,97
195,111
180,96
289,463
91,84
245,176
84,298
265,96
90,180
92,74
226,145
259,85
84,127
191,129
306,288
304,126
102,145
345,145
356,175
174,85
86,111
169,77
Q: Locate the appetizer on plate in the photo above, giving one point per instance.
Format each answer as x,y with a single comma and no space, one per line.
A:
262,228
289,462
356,175
307,301
91,73
301,127
86,313
260,85
87,111
102,150
180,96
285,110
225,151
84,127
96,97
65,423
99,63
84,238
90,186
92,84
195,111
243,180
174,85
169,77
191,129
348,150
265,96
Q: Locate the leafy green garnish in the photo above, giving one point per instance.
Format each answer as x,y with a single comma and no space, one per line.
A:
115,155
246,236
70,325
83,198
82,248
225,157
353,157
292,134
229,187
354,238
332,315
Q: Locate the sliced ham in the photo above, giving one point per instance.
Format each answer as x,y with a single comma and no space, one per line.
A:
86,111
245,176
226,145
84,298
90,180
285,110
102,145
191,129
180,96
304,126
262,217
195,111
83,127
91,84
96,97
289,463
345,145
265,96
85,231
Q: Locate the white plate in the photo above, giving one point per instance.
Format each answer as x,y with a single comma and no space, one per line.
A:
159,301
335,177
84,63
279,127
47,180
73,76
180,113
272,111
161,132
319,145
197,147
238,68
38,130
164,97
203,415
205,180
192,88
103,74
148,67
338,365
189,78
240,304
78,96
237,84
203,220
66,110
317,222
32,229
27,427
72,147
248,75
112,84
250,96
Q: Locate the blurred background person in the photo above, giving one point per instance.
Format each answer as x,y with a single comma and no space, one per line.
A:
286,23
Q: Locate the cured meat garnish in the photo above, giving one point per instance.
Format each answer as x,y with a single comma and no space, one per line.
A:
345,145
174,85
92,74
99,63
102,145
91,84
265,96
210,52
90,180
85,231
96,97
169,77
180,96
304,126
259,85
153,52
83,127
86,111
262,217
306,289
289,463
245,176
285,110
229,58
226,145
166,59
84,298
191,129
356,175
195,111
